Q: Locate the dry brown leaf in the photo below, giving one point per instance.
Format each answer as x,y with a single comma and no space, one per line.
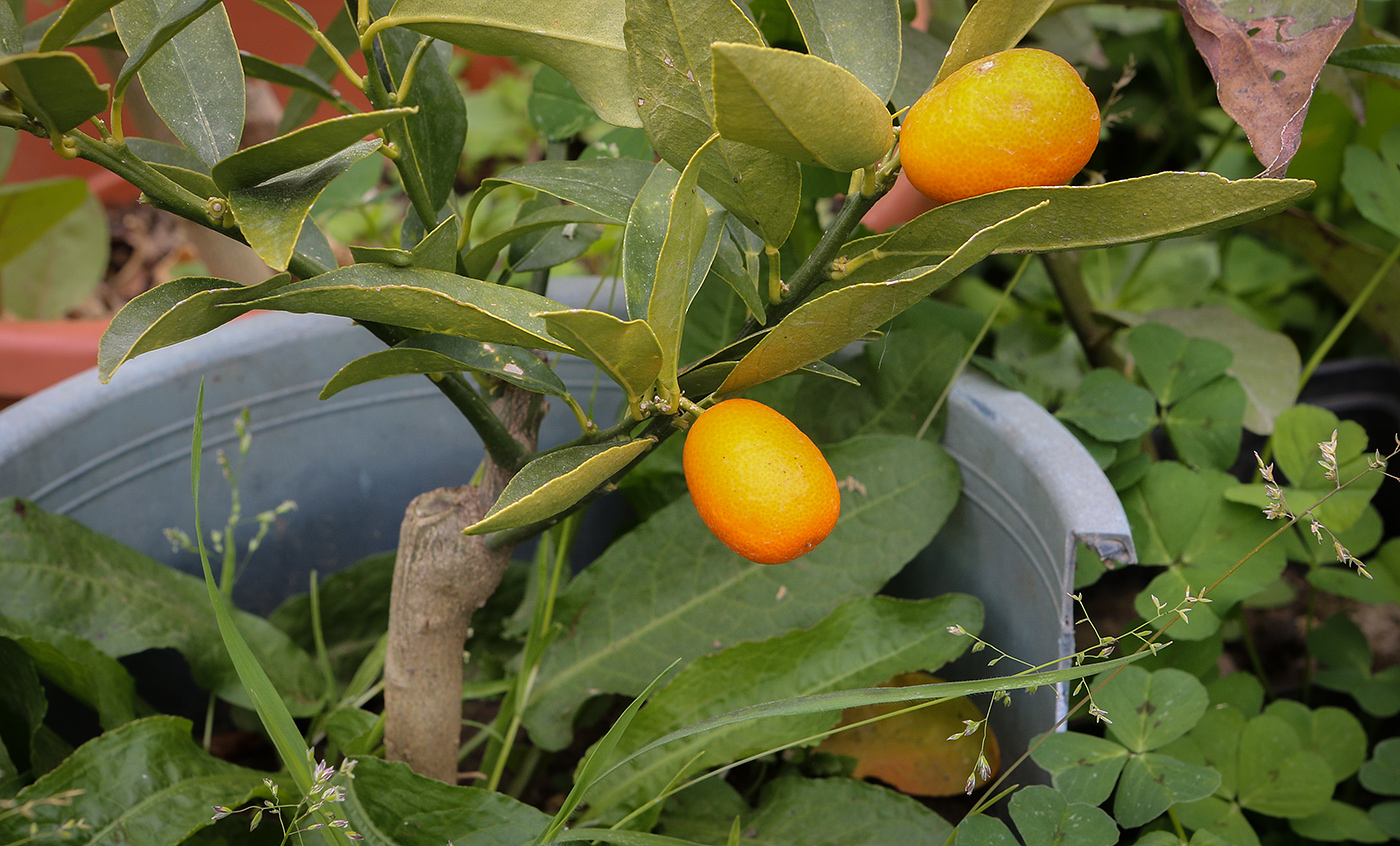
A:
1266,56
912,752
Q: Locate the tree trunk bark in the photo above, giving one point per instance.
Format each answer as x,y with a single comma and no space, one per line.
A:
441,577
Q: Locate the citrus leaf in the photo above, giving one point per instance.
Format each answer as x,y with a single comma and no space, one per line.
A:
64,576
646,232
305,147
1146,208
670,69
272,215
675,267
860,644
990,27
822,326
555,482
176,311
671,589
28,210
446,354
583,41
58,88
428,300
627,351
174,18
920,753
72,19
195,82
146,782
479,260
863,38
607,186
763,97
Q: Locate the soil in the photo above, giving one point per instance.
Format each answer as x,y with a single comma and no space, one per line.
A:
147,245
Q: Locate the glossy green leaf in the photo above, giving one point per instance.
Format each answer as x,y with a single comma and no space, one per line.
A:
100,33
1205,427
1152,782
550,248
1266,363
1339,822
176,311
174,17
556,110
863,38
294,77
863,643
146,782
675,267
820,327
11,40
990,27
1380,59
764,97
555,482
627,351
427,300
1082,767
57,88
77,667
72,19
582,41
273,215
670,69
1045,818
390,805
479,260
303,148
171,155
670,589
1150,710
812,812
607,186
431,139
1109,407
1277,776
646,232
446,354
195,82
919,59
129,603
1145,208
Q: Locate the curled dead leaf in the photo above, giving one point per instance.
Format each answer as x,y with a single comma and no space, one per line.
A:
1266,58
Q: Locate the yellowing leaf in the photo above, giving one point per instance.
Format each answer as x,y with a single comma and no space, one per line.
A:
912,751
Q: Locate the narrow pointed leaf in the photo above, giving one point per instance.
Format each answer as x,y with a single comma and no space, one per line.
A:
764,97
645,233
583,41
607,186
670,589
822,326
671,74
990,27
1146,208
273,214
195,81
863,38
555,482
146,782
627,351
446,354
481,258
294,77
428,300
74,17
180,309
174,18
675,267
861,644
57,88
295,150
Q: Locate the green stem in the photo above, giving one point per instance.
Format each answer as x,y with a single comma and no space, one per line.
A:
396,133
1354,309
406,84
